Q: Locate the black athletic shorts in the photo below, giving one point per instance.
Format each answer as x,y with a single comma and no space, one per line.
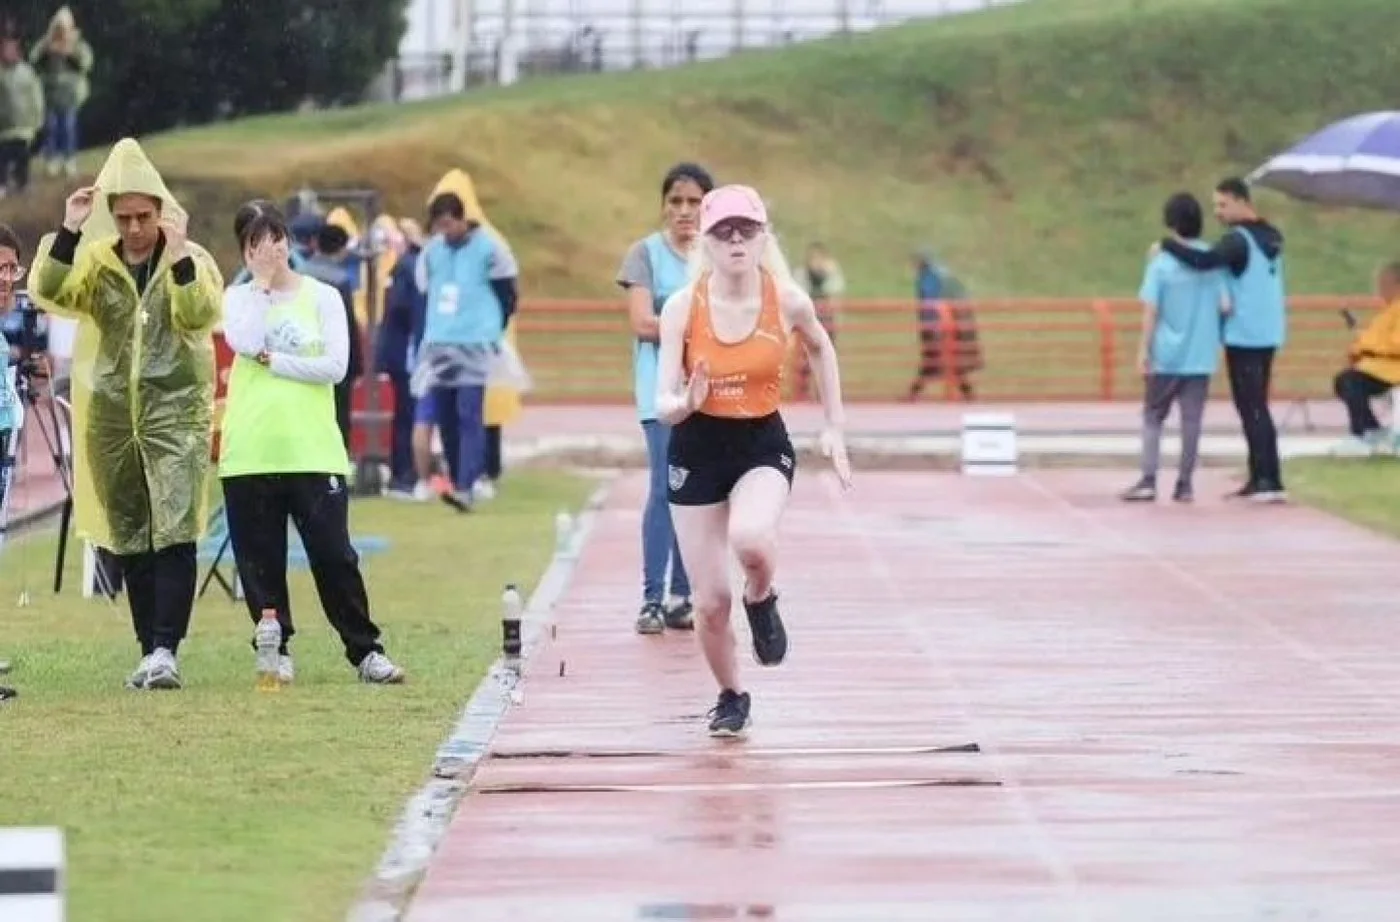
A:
708,455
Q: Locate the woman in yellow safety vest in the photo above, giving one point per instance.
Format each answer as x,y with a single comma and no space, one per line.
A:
281,454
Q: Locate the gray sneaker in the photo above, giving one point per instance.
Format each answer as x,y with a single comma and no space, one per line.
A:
137,680
163,671
378,669
651,619
286,672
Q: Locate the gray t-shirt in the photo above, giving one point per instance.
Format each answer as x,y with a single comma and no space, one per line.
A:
635,271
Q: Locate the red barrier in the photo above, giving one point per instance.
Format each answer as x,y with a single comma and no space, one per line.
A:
1060,349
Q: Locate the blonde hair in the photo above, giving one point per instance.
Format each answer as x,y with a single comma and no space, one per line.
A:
772,259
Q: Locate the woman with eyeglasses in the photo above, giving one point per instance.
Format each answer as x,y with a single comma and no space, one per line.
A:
11,271
724,338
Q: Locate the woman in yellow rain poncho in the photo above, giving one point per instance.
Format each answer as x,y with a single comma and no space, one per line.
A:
502,404
146,301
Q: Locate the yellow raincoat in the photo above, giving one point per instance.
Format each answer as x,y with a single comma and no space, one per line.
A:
142,374
502,405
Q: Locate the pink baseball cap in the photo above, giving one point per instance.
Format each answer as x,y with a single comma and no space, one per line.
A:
731,202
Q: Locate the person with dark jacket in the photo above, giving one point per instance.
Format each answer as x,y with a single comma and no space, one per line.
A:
404,306
329,264
1255,328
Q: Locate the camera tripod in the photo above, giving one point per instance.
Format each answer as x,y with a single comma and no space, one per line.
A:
52,429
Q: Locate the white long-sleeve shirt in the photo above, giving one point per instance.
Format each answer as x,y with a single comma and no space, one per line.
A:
290,354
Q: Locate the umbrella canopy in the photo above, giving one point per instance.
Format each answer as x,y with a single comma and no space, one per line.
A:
1352,162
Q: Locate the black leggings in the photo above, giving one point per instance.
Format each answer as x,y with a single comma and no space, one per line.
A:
1356,389
1250,370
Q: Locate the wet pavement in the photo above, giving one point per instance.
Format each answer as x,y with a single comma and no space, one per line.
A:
1006,699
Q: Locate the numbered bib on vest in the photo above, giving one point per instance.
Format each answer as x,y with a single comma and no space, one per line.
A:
448,296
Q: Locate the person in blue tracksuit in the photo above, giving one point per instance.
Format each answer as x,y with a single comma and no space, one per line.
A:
654,268
1251,252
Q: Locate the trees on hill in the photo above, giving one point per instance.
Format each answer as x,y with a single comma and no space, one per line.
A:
163,63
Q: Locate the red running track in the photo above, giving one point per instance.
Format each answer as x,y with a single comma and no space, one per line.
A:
1182,714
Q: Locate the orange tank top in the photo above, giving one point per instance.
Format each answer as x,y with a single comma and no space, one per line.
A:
746,377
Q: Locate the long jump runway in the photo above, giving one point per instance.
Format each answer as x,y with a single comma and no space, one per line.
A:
1005,699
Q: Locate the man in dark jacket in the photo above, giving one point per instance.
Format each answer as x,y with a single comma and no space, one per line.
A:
1251,255
404,305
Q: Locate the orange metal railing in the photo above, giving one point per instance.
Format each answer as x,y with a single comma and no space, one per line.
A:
1067,349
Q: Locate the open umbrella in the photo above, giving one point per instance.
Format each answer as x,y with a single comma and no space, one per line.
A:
1352,162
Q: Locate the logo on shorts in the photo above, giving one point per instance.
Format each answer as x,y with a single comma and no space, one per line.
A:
785,461
334,484
676,476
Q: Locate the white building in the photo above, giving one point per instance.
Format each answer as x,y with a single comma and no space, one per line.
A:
450,43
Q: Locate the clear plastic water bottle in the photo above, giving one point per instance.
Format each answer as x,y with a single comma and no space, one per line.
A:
512,607
268,639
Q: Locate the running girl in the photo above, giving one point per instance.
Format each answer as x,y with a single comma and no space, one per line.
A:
651,272
724,338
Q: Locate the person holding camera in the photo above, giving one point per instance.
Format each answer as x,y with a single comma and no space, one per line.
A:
11,271
147,300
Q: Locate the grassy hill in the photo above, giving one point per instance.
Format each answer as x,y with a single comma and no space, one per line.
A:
1030,146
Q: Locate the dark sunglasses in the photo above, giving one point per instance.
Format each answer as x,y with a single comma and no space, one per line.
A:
725,230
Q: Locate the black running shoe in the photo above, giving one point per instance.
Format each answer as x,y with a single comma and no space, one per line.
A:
6,693
730,715
680,617
769,636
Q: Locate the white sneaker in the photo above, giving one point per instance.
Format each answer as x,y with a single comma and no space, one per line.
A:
423,492
286,672
484,489
164,671
137,680
378,669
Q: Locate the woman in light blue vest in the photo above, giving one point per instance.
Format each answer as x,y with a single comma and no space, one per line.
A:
651,271
281,455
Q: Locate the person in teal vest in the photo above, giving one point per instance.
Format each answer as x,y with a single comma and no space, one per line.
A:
281,452
653,269
469,276
1179,350
1256,327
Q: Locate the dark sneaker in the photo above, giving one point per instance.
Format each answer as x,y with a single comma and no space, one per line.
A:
650,619
1246,491
680,617
1144,491
6,693
730,715
1183,493
769,635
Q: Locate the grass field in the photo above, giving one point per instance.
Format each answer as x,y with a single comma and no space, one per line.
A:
206,803
1366,491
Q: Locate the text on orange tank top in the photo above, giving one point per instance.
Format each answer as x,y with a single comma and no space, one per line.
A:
746,377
